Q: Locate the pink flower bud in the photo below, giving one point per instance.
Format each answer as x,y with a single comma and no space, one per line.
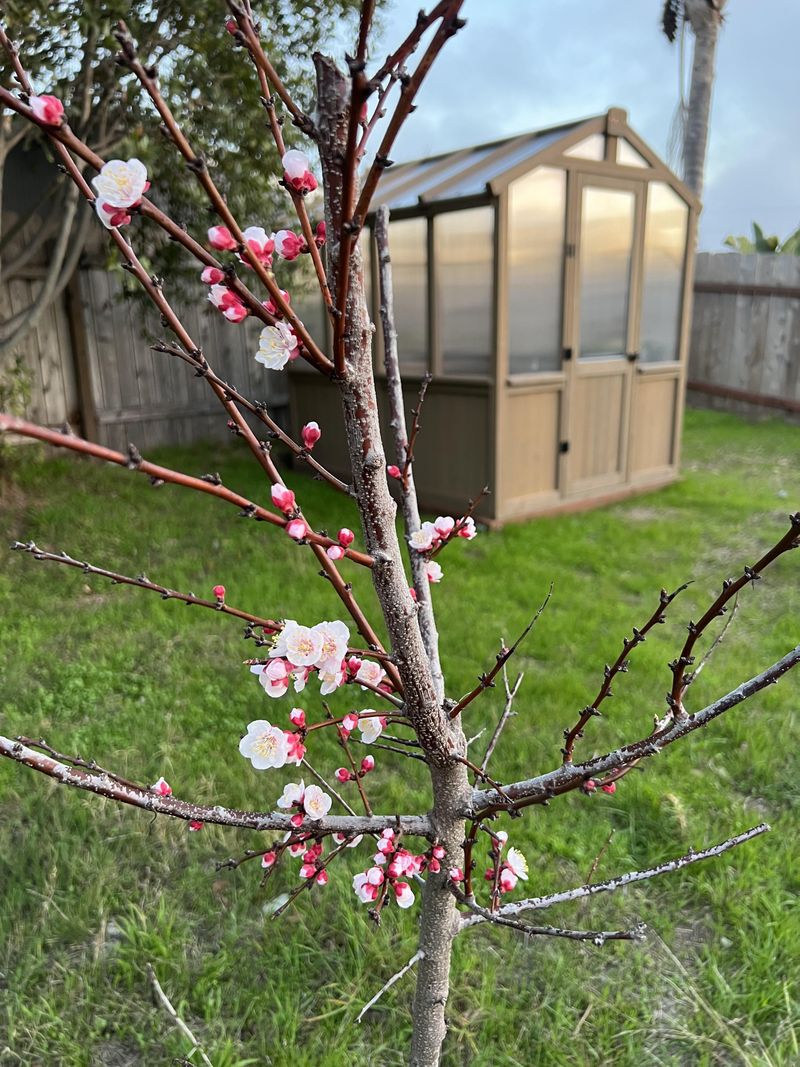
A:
212,276
221,238
320,234
334,552
438,852
47,109
589,786
349,723
196,825
297,529
282,498
219,592
230,26
394,870
268,859
308,870
162,787
345,537
456,875
434,866
296,173
393,471
342,775
289,245
609,787
297,820
368,764
354,665
273,308
412,593
322,877
297,716
310,433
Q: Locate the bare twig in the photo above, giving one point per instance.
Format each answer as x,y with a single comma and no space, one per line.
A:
620,666
508,711
571,776
540,903
714,645
598,937
599,856
504,655
166,1004
388,985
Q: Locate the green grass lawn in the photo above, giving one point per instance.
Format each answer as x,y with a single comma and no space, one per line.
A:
91,892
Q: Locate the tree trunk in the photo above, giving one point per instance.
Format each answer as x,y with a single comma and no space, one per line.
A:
440,738
705,22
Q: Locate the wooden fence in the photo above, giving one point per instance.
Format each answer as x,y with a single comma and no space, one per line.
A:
745,348
90,364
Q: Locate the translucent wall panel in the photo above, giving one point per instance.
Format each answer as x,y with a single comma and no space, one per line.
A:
408,247
591,147
605,267
464,260
536,214
627,155
664,252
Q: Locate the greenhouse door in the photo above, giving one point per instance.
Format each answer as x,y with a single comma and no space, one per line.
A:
604,253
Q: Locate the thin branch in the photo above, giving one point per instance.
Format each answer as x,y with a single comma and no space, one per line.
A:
714,645
571,776
612,884
327,785
599,856
141,581
415,428
395,978
620,666
504,655
166,1004
397,422
133,461
598,937
508,711
111,787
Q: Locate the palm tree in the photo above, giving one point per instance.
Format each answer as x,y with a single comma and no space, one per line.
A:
704,18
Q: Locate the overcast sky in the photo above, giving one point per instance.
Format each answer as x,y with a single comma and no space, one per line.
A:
521,64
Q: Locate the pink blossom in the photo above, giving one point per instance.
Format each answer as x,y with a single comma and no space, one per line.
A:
371,728
425,538
299,644
517,864
277,346
310,433
609,787
264,745
343,775
268,859
403,894
345,537
368,764
349,723
121,184
335,636
219,592
330,681
296,172
507,880
455,874
47,109
385,846
226,301
320,234
292,795
298,717
288,244
297,849
433,571
308,870
162,787
322,877
300,675
371,673
297,529
196,825
334,552
109,215
434,866
260,245
273,676
295,749
393,471
221,238
365,890
272,307
282,497
467,528
444,526
212,275
317,804
438,852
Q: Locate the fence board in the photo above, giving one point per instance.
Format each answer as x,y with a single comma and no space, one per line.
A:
745,349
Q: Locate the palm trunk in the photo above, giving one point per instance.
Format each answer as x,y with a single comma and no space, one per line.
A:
440,738
705,22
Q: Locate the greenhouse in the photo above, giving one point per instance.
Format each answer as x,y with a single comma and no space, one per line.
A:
544,281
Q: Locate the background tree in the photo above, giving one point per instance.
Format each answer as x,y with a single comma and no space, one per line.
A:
70,48
704,19
434,850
